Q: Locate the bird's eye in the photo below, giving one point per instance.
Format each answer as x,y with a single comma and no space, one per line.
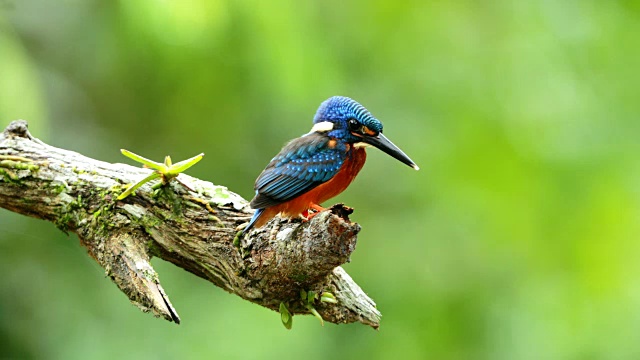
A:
354,126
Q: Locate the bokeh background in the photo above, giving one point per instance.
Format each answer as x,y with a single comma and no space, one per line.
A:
517,239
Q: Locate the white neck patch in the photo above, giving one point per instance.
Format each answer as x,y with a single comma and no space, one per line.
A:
322,127
361,145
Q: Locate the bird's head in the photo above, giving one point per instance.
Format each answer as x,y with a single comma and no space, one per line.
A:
345,119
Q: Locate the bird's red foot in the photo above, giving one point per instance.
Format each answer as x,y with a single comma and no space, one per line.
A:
308,214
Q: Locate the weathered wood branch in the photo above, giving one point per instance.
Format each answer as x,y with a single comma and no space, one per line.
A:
192,228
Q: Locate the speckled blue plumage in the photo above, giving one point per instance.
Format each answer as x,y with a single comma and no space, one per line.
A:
303,164
338,110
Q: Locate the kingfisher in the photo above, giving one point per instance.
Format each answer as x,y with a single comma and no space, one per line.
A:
321,164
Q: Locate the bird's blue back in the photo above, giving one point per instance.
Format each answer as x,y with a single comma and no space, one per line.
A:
301,165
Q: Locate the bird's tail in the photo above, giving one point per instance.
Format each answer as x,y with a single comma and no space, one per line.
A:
254,218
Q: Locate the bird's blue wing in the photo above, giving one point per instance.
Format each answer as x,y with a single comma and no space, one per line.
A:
301,165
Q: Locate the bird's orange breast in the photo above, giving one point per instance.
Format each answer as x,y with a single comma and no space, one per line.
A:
340,181
323,192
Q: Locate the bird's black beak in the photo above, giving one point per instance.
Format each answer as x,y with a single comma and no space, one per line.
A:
381,142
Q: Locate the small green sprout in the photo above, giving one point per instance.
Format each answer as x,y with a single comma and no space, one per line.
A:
328,297
166,171
285,316
308,298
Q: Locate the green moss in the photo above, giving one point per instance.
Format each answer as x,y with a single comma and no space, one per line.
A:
27,201
143,219
153,248
11,164
113,191
299,277
63,221
58,187
9,176
67,213
150,222
100,220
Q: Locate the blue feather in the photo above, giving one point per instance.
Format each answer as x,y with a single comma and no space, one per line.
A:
253,220
300,166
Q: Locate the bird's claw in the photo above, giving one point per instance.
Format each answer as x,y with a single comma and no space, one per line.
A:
312,211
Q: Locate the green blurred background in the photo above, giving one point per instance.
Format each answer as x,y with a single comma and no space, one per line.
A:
518,238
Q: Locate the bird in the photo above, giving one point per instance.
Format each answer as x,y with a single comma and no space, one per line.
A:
321,164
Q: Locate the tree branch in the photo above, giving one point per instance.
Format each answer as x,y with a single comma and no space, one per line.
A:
193,229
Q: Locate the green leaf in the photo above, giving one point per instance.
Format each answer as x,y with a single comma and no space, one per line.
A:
132,188
311,296
316,314
143,160
185,164
285,316
328,297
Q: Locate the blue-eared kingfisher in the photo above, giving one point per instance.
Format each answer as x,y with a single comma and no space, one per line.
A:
320,164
